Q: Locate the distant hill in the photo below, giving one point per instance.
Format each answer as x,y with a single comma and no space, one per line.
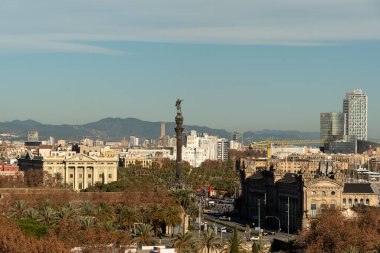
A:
107,129
118,128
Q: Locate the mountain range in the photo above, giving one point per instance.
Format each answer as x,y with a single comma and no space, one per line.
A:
118,128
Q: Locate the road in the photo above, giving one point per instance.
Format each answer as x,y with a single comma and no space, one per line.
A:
242,228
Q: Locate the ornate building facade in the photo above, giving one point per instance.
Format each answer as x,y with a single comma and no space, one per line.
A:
79,171
293,200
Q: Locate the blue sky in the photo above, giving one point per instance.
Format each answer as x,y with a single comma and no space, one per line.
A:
238,65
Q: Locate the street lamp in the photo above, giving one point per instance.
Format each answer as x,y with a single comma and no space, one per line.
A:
259,210
259,207
288,211
200,217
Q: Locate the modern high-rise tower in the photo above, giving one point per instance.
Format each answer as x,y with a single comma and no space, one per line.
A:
332,127
355,108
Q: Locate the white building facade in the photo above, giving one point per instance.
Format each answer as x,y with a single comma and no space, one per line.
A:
78,171
355,108
201,147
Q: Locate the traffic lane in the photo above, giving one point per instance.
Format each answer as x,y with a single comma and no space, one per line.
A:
232,224
225,223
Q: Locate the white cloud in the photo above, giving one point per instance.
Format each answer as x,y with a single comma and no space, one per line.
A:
34,44
70,25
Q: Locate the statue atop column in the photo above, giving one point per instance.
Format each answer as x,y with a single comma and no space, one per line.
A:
178,105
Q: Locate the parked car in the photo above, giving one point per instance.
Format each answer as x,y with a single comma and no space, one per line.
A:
268,232
222,229
225,218
255,238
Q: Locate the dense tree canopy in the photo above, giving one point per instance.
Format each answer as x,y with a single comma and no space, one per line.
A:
335,233
220,175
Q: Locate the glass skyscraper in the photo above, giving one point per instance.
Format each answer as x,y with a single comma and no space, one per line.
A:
332,126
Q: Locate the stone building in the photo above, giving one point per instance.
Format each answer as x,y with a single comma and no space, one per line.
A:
79,171
144,161
299,197
296,165
359,194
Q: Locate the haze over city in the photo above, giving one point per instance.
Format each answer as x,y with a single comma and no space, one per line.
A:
241,65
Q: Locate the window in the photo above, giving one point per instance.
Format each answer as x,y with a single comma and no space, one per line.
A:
324,194
361,202
89,175
332,193
313,210
71,176
110,176
332,206
367,202
80,175
344,202
350,202
314,193
356,202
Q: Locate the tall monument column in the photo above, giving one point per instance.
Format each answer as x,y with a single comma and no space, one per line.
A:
179,130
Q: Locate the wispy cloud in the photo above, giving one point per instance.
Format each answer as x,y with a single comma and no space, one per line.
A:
70,25
36,44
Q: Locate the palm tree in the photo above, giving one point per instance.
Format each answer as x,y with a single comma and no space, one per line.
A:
157,217
108,226
193,210
183,242
351,249
144,235
208,241
66,214
172,217
257,247
31,214
86,209
86,222
47,215
126,217
142,214
105,212
183,197
234,244
44,204
18,210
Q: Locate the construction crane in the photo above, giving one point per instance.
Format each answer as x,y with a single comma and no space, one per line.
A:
268,144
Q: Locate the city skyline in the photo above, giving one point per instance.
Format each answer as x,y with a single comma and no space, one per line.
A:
248,66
